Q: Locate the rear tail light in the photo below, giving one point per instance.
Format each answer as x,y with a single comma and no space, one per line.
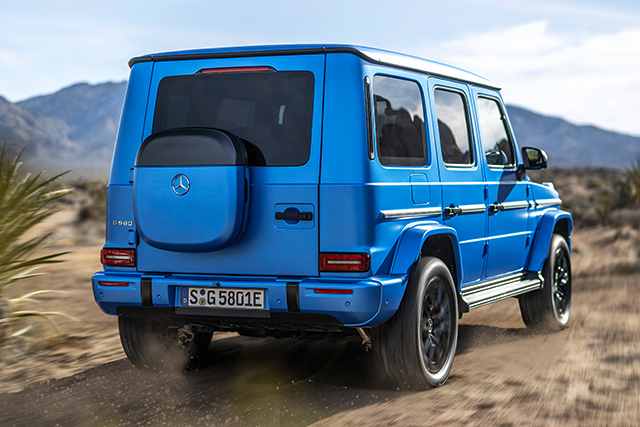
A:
356,263
118,257
235,70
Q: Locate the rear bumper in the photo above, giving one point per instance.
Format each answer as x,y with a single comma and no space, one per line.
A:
373,301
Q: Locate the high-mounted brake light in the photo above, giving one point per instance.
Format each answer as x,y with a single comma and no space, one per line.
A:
235,70
356,263
118,257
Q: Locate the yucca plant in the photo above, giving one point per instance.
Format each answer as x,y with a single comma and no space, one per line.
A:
24,203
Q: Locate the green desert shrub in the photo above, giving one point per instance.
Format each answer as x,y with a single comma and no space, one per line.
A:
25,201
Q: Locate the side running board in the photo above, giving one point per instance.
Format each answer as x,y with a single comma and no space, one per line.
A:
475,296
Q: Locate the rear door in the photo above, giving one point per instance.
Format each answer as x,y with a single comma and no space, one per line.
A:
461,174
273,105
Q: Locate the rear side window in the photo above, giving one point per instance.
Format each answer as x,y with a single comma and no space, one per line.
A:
400,131
453,128
497,146
271,112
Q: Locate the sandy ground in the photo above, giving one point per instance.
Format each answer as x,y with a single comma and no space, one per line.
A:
588,374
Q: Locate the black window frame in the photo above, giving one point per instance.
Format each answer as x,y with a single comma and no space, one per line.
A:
472,146
507,129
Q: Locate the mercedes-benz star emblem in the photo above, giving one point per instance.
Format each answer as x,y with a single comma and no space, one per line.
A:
181,185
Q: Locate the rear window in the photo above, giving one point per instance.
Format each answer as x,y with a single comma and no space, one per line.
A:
271,112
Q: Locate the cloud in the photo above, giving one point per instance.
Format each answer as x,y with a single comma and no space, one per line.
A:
589,78
571,65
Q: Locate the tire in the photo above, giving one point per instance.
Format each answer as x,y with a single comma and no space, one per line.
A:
548,309
416,347
152,345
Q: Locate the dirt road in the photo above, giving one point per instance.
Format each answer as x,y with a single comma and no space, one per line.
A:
503,375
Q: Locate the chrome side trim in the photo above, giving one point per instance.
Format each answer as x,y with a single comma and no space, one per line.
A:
471,209
495,290
411,213
510,206
548,202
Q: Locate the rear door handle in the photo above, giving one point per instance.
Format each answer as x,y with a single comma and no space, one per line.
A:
453,210
295,216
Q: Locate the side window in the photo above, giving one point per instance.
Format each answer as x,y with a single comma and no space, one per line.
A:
453,128
400,131
497,146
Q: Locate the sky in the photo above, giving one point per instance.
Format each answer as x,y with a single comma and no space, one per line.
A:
575,59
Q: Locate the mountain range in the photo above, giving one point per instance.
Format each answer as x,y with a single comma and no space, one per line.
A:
72,129
75,128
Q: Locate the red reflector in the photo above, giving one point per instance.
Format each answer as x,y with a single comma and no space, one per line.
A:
115,284
333,291
118,257
235,70
345,262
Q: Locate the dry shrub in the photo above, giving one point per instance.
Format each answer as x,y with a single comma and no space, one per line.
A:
602,251
91,198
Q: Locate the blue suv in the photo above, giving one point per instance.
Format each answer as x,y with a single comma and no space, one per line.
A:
322,190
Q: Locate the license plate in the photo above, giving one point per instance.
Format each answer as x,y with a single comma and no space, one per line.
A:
247,299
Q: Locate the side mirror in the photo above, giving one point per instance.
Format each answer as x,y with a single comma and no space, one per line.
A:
534,158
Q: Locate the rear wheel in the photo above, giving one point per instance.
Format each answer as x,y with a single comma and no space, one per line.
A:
549,308
415,348
154,345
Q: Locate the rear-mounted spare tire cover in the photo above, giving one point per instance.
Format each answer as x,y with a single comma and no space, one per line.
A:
190,189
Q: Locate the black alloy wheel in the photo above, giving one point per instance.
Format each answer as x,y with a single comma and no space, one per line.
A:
436,325
416,347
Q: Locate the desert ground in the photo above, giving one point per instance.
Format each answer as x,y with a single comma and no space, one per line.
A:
503,374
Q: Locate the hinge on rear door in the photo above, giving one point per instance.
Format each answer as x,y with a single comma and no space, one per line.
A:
132,237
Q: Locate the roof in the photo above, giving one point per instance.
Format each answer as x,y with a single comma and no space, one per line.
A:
375,56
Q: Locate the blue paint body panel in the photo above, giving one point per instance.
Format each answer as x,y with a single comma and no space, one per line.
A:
227,228
373,301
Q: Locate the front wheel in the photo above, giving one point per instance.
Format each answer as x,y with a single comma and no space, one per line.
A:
549,308
154,345
415,348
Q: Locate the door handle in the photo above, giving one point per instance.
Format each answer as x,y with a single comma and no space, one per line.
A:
496,207
295,216
453,210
